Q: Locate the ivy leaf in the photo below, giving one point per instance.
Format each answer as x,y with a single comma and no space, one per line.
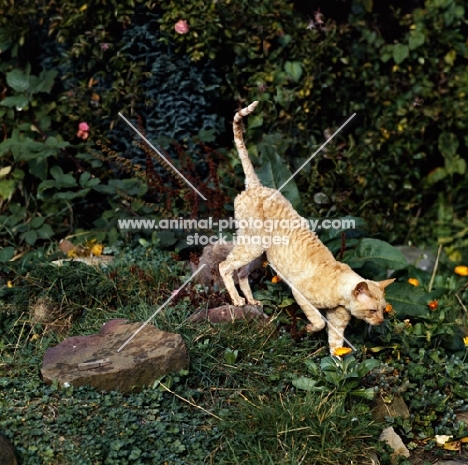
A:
18,80
400,53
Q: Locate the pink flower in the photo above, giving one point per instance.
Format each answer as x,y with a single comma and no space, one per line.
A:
83,131
104,47
181,26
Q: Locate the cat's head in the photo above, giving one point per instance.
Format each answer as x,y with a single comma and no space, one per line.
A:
368,301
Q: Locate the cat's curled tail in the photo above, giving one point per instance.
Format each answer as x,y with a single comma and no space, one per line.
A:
251,179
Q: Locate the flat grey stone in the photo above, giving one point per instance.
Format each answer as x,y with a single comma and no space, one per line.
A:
212,256
452,462
422,259
396,408
149,355
7,452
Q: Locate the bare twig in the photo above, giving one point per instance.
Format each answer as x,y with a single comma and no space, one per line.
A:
190,403
436,264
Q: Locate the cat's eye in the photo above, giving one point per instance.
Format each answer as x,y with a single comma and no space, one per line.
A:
373,311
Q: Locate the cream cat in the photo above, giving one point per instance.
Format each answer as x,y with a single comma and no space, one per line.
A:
317,280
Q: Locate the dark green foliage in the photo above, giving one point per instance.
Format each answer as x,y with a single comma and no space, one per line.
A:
402,73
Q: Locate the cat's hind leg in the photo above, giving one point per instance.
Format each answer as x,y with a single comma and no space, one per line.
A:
241,255
312,313
338,318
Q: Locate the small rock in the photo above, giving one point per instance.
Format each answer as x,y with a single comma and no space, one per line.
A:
229,313
373,459
422,259
394,441
7,452
396,408
149,355
212,256
452,462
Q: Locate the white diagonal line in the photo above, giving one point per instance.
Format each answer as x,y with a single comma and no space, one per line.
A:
310,158
160,308
324,318
162,156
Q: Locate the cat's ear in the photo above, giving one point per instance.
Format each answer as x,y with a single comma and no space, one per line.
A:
361,288
385,283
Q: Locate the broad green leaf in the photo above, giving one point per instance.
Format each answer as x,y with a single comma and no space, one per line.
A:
45,231
30,237
6,254
408,301
307,384
449,58
273,173
20,102
38,167
436,175
368,393
255,121
87,181
448,143
207,135
7,187
37,222
455,164
293,70
366,366
17,80
312,368
286,302
400,53
416,39
329,363
44,82
379,252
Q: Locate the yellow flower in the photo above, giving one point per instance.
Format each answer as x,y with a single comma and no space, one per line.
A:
340,351
275,279
465,340
72,253
388,308
9,284
413,281
461,270
433,304
97,249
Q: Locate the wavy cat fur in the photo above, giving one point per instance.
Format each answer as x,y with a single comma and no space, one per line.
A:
316,279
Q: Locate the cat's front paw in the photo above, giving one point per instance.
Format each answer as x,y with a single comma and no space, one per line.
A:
238,301
311,328
255,302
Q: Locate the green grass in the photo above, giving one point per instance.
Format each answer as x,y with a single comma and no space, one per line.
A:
235,405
